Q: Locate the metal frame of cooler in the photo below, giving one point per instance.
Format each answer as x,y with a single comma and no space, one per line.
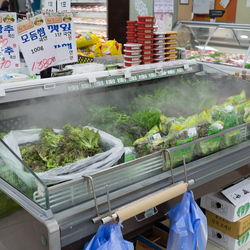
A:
73,205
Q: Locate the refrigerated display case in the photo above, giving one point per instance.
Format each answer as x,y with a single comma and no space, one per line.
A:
68,213
222,45
90,16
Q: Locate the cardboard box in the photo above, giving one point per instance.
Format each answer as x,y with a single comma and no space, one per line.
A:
157,240
234,229
227,241
232,203
164,225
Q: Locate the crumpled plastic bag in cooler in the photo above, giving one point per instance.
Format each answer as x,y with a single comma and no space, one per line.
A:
112,147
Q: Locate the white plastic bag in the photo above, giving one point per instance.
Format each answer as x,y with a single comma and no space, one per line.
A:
112,147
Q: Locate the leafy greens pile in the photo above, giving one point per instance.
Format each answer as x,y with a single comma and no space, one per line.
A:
60,149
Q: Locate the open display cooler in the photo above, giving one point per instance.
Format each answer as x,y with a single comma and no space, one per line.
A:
222,45
66,214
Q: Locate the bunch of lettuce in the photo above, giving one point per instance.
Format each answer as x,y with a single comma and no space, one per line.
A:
59,149
211,145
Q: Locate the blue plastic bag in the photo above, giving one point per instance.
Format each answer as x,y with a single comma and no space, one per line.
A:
109,237
188,225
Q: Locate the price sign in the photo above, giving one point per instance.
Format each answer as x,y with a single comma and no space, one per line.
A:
152,75
50,6
99,83
171,72
86,85
110,81
133,79
73,87
179,70
163,73
63,5
9,52
61,28
142,77
121,80
36,44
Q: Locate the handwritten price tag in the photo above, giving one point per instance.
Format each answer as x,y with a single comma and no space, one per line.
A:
61,27
9,52
36,44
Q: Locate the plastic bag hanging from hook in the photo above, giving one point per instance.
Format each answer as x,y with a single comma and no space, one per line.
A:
188,225
109,237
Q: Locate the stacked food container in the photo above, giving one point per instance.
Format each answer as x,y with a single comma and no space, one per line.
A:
171,45
131,31
145,36
160,47
132,54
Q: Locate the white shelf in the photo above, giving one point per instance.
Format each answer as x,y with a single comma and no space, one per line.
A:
96,14
89,26
89,1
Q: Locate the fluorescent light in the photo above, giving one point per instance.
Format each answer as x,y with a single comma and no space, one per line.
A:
244,36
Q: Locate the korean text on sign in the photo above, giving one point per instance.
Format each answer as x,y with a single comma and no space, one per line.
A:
9,52
36,44
61,27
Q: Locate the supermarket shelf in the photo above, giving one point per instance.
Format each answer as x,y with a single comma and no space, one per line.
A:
89,26
89,1
95,14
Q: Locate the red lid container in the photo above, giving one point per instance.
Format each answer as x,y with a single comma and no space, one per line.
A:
132,52
147,46
145,30
132,23
132,46
145,41
131,34
147,61
145,24
132,58
132,63
131,40
131,28
145,35
147,51
146,18
147,57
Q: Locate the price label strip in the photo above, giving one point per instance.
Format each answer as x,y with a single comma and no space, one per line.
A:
73,87
9,52
36,44
179,70
99,83
120,80
142,77
110,81
171,72
133,79
61,28
86,86
152,75
162,73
